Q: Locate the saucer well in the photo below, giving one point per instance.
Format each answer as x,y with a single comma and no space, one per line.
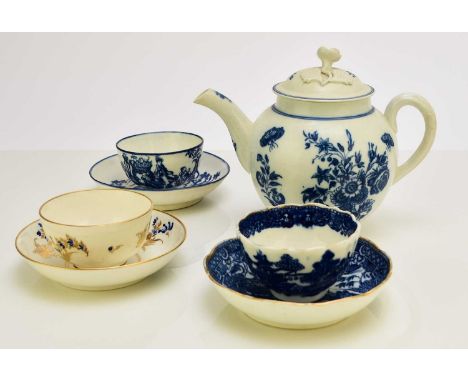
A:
211,172
228,269
165,234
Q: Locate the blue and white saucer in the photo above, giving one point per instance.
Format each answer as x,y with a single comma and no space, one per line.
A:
228,269
211,172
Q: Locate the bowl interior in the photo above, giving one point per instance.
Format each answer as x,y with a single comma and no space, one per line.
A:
305,226
159,143
95,207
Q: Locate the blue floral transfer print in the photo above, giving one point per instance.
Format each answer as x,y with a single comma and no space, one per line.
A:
271,136
194,154
287,278
200,179
388,140
158,227
230,266
269,181
342,177
144,172
222,96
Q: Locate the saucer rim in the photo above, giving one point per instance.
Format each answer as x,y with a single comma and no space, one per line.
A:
101,268
164,189
318,303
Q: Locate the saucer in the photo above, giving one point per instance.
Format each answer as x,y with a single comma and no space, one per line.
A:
211,171
228,269
165,234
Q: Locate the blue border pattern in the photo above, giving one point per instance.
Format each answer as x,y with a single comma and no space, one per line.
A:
307,216
276,110
275,90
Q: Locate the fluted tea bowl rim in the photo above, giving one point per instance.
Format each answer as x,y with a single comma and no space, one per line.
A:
353,237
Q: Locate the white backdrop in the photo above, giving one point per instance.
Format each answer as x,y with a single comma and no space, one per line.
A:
85,91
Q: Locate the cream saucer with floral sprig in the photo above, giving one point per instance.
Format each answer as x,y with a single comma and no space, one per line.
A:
165,234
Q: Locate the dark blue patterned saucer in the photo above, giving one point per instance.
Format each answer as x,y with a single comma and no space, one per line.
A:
228,269
212,170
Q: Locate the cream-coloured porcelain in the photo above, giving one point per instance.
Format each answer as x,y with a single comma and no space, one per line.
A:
96,228
296,315
211,172
323,141
161,241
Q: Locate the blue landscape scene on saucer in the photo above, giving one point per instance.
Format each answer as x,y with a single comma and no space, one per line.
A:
367,268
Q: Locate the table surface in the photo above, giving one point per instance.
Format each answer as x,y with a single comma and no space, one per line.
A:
422,225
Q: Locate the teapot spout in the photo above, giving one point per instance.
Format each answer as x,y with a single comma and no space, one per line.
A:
238,124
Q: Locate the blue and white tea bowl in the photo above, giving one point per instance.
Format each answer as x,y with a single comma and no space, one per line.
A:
160,160
229,269
212,170
299,251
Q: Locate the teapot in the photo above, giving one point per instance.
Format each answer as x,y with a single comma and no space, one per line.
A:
322,140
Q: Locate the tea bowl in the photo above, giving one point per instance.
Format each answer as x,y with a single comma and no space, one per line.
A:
368,271
160,160
299,251
165,235
96,228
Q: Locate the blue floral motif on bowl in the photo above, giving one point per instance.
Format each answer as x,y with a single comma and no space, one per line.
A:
151,171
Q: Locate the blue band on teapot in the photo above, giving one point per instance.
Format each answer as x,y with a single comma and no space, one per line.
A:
275,90
273,107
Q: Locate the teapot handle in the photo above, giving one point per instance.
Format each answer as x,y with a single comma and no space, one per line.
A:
420,103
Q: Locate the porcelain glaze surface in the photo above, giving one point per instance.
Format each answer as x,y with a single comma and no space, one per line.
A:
323,140
229,269
95,228
159,243
302,270
146,164
211,172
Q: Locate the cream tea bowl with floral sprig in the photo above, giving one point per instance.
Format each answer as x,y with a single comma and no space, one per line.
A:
160,160
299,251
96,228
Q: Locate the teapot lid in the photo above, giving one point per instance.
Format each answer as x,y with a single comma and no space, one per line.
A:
324,83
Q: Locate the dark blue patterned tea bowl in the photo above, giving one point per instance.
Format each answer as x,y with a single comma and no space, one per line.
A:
160,160
230,270
299,251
